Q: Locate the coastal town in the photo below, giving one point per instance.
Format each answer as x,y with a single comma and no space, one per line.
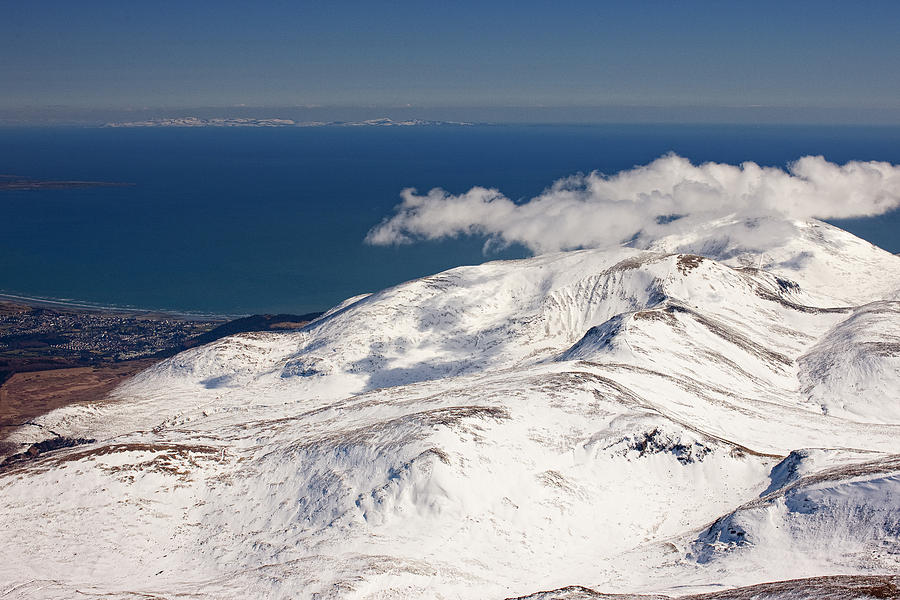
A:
38,337
88,336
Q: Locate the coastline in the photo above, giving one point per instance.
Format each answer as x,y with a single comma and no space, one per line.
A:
57,352
87,306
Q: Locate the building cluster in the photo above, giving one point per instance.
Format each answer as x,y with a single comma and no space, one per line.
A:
93,335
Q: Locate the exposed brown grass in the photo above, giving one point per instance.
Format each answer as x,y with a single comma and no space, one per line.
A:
833,587
26,396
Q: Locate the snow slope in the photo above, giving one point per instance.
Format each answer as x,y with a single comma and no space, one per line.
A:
717,409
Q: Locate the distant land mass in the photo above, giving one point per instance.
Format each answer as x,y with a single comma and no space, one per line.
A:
250,122
18,183
383,122
198,122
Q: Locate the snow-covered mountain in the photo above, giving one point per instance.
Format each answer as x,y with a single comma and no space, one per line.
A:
200,122
716,409
275,122
384,122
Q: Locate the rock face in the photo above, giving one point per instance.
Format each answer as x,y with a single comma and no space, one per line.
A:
47,445
676,419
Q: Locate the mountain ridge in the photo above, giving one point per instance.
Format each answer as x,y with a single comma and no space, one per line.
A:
637,420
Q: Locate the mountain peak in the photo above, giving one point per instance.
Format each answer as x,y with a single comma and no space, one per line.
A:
717,407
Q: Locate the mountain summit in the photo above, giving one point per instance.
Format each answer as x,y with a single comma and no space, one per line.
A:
717,408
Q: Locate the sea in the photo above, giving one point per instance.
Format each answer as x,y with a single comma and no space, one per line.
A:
237,221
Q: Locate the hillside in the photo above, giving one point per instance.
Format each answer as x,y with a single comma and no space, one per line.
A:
712,410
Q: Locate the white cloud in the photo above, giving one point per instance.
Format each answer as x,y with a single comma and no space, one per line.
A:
597,210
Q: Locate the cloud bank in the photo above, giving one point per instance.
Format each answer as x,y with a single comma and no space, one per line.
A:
669,194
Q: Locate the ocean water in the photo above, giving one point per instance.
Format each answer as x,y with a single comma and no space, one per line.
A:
237,221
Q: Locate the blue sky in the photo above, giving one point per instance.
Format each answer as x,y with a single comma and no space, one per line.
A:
116,55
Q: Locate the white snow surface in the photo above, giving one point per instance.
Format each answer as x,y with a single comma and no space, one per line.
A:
691,416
